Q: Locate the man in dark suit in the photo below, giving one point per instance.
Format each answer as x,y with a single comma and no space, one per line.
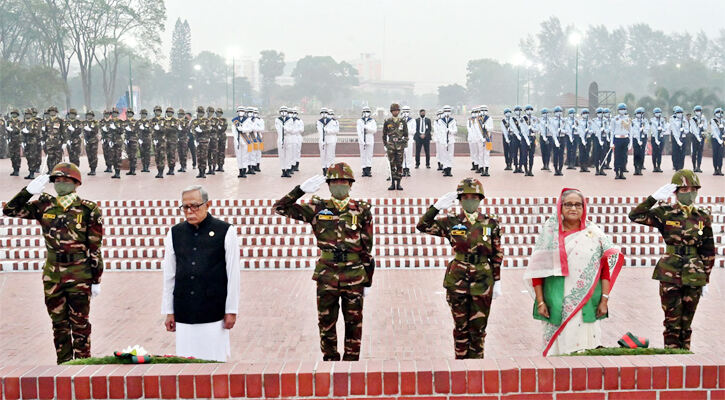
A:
422,138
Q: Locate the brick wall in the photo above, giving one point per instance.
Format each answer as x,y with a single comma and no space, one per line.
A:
643,377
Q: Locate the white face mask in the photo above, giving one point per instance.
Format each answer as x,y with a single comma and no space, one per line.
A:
485,112
698,113
658,115
599,115
622,112
508,115
283,113
558,113
518,113
679,115
447,114
324,115
528,112
717,115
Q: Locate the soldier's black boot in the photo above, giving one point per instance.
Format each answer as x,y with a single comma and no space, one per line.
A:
397,185
117,174
370,171
211,171
297,166
365,172
473,166
131,171
201,174
242,173
15,172
161,173
324,171
92,173
256,168
485,172
219,168
447,172
108,169
250,170
170,171
440,167
392,185
31,175
285,174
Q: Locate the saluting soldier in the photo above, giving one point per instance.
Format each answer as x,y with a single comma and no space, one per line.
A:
73,232
344,231
72,137
130,127
90,134
144,140
684,271
395,140
472,278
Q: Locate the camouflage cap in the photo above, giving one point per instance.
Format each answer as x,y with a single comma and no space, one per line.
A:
210,109
72,111
219,111
157,108
114,110
685,177
68,170
106,112
181,111
200,109
395,107
170,110
144,112
130,112
34,110
14,111
90,112
27,111
470,185
52,108
340,171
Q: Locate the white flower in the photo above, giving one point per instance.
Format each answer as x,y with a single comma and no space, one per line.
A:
136,350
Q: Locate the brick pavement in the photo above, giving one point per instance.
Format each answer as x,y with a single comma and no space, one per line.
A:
406,317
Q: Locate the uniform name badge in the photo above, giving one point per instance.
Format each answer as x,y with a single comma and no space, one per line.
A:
459,230
325,215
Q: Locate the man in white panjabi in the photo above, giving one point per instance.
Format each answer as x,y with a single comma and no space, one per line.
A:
201,280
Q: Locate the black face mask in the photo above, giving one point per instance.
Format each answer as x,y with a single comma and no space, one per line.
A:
422,115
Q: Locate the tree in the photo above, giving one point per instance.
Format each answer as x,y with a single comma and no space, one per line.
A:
323,78
24,85
180,57
488,79
451,94
271,65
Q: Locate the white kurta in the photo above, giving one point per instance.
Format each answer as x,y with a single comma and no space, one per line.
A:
209,341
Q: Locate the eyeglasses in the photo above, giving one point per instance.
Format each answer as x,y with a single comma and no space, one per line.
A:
190,207
578,206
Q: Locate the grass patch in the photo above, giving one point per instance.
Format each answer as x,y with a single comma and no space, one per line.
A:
116,360
621,351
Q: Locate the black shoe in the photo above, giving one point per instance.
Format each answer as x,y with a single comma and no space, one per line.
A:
485,172
440,167
219,169
324,171
170,171
92,173
256,168
296,167
131,172
447,172
285,174
201,175
15,172
697,169
473,167
31,175
242,173
545,168
427,166
145,169
183,169
108,169
117,175
558,173
250,171
570,167
397,186
508,167
160,175
417,166
392,185
529,173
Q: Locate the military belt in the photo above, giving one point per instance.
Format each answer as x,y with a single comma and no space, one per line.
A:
339,256
474,259
682,250
66,258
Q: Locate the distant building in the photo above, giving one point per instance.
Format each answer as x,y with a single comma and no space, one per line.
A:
249,69
369,68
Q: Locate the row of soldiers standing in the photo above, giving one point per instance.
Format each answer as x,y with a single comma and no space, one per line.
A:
165,137
591,141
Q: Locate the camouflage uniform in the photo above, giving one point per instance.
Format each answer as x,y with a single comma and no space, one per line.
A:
471,274
130,129
182,137
144,132
3,139
345,237
170,129
157,127
202,139
106,140
213,139
15,140
221,140
33,142
90,134
115,127
395,140
72,137
73,238
690,256
53,135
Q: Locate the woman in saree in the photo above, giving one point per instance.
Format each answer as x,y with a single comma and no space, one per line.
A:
571,272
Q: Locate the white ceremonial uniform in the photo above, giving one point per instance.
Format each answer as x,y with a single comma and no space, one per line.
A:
366,128
326,128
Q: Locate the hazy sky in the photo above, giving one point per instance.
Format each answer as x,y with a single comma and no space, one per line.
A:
428,42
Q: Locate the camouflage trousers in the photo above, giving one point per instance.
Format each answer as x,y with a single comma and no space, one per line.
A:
92,153
212,153
182,147
328,306
171,149
107,153
68,305
33,155
679,303
117,153
14,153
395,156
221,149
201,155
160,153
74,151
55,155
470,317
145,151
132,153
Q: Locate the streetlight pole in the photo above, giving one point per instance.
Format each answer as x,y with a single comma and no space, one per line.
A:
528,85
518,73
234,91
576,81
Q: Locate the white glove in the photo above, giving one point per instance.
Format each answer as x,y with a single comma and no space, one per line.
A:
105,129
25,130
366,290
37,185
196,143
198,129
113,126
497,289
705,291
156,142
125,142
95,289
142,127
178,127
157,127
9,128
664,192
313,184
71,128
140,141
446,201
128,129
87,128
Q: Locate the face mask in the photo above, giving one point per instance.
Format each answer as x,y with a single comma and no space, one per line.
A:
687,198
447,114
658,115
679,115
470,205
340,190
508,115
698,113
622,112
518,113
485,113
324,115
64,188
558,114
528,112
157,113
